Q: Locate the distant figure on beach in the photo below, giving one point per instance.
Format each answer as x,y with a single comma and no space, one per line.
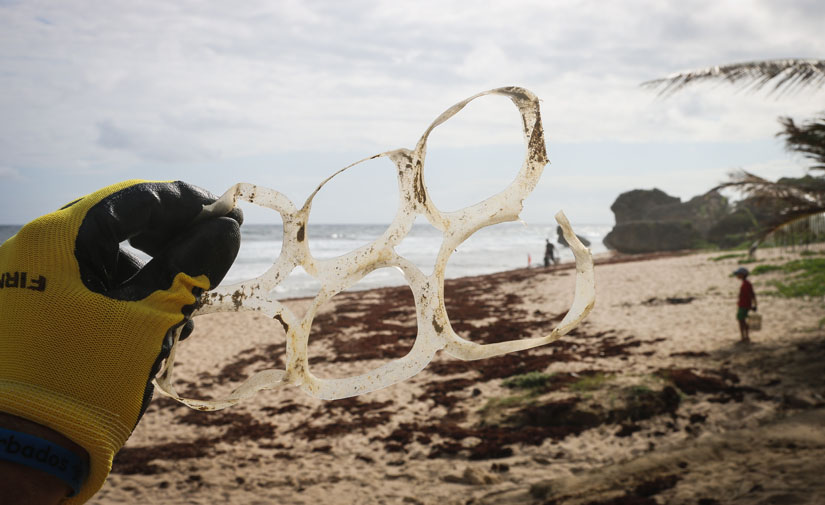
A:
85,326
746,302
549,254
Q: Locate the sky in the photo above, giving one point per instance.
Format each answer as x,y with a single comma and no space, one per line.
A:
284,93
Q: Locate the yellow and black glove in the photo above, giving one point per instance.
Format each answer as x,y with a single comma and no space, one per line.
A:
84,326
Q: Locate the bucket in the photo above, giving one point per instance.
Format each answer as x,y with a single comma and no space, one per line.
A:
754,321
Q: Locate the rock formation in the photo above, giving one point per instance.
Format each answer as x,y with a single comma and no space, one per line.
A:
651,220
563,242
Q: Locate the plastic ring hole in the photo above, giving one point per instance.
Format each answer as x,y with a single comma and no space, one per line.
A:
487,309
224,350
474,155
262,236
353,209
358,331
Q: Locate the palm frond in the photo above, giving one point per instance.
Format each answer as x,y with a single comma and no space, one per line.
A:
813,222
807,138
786,76
787,200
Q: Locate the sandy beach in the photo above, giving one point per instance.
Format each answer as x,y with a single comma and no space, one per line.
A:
651,401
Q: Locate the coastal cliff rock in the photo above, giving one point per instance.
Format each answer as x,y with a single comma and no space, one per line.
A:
642,205
651,220
651,236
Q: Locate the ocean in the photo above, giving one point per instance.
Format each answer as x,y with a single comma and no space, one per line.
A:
497,248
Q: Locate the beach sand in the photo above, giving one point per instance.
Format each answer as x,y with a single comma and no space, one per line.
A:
651,400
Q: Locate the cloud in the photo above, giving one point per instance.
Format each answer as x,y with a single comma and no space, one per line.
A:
284,69
113,137
152,145
89,87
10,173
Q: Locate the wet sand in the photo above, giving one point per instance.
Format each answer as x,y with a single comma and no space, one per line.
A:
651,400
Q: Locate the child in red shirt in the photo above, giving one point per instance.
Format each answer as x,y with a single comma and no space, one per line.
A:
747,301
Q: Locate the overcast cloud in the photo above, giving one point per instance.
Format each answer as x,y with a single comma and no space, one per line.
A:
282,93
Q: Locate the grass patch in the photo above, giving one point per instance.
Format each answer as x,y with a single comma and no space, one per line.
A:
590,382
747,260
805,277
763,269
806,264
503,403
808,278
727,256
639,390
529,380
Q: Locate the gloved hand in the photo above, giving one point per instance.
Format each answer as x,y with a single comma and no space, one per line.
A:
84,326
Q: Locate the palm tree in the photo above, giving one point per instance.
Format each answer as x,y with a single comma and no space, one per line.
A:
791,199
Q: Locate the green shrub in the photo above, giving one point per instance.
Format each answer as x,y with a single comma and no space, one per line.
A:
639,390
529,380
763,269
806,278
808,265
503,403
589,382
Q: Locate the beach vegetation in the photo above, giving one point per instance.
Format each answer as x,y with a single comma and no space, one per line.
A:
529,381
590,382
506,402
639,390
764,269
805,277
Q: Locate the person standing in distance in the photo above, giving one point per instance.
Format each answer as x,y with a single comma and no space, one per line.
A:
746,303
549,254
